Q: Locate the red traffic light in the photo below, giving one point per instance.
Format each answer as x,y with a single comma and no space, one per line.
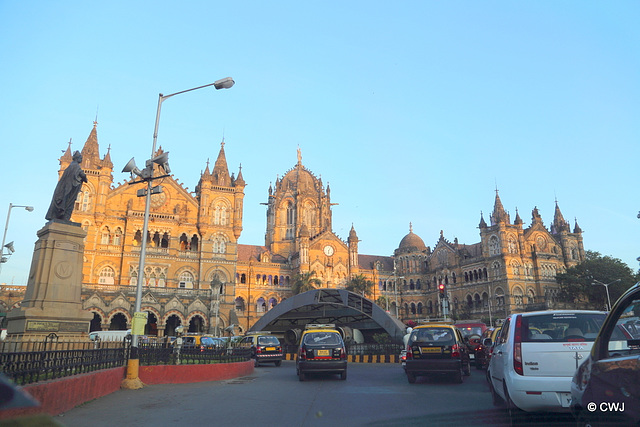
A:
441,288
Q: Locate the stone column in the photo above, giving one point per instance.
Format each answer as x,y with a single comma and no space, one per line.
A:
52,301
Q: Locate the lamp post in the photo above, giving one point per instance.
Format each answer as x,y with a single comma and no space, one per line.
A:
9,245
606,286
147,176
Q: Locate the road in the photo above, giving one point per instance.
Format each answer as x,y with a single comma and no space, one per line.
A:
372,395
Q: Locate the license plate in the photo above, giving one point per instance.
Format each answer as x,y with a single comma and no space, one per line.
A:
565,399
436,350
323,353
270,349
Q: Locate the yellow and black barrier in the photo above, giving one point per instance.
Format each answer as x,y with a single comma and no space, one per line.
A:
362,358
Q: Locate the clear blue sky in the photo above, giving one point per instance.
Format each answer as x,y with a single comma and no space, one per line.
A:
413,111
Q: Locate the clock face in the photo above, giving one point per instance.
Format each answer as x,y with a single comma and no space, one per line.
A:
328,250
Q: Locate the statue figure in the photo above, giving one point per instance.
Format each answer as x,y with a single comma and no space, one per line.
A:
66,192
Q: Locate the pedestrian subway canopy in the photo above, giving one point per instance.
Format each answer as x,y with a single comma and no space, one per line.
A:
347,310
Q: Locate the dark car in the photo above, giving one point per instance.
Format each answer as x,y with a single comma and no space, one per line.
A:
437,349
472,333
265,348
321,350
605,389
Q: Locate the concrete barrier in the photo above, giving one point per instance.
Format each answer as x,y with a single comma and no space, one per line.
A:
64,394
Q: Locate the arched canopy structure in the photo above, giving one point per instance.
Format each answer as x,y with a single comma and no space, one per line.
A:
338,306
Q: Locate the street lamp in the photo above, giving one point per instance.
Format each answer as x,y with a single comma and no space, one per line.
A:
606,285
146,175
9,246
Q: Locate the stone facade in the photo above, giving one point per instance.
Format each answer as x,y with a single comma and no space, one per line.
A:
197,274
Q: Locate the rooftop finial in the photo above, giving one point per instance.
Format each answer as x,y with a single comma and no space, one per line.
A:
410,227
299,156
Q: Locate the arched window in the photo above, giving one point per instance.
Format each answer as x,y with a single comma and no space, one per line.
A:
219,244
261,305
105,238
194,243
186,280
512,245
494,246
106,276
220,214
117,237
239,304
291,220
82,201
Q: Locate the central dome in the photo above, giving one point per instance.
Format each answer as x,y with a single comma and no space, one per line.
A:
412,240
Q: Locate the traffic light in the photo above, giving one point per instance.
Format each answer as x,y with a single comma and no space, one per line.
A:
441,288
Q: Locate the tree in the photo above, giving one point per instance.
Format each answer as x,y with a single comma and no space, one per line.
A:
303,282
359,284
576,284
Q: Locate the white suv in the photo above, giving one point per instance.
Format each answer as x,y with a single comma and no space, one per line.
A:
536,356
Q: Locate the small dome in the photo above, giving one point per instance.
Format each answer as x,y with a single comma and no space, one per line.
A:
412,240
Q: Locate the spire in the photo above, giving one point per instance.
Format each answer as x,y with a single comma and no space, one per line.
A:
90,151
499,214
482,224
353,237
577,228
559,224
206,170
67,156
220,171
240,179
106,161
518,220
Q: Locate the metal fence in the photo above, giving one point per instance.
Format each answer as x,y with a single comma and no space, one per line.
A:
28,361
34,366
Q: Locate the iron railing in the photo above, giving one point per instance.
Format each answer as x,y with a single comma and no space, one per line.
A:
34,366
29,361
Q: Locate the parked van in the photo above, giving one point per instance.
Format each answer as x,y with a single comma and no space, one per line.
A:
109,335
536,356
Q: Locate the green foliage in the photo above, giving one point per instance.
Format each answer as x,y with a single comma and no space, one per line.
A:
304,282
382,338
576,284
359,284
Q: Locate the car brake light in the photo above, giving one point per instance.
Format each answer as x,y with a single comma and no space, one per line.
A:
455,350
258,349
409,354
517,347
302,354
343,353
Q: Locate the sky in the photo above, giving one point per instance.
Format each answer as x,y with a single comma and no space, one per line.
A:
413,112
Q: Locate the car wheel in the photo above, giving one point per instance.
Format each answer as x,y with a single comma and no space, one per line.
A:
411,377
515,413
496,400
467,369
457,377
278,362
343,375
302,376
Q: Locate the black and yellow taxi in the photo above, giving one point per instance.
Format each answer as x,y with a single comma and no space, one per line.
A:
265,347
437,348
321,350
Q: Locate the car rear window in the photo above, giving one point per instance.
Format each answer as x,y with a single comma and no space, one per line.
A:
206,341
438,336
467,331
268,341
319,338
561,327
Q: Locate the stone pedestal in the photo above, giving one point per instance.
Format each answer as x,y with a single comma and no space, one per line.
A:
52,301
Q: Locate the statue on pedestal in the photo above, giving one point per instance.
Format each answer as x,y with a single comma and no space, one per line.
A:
66,192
